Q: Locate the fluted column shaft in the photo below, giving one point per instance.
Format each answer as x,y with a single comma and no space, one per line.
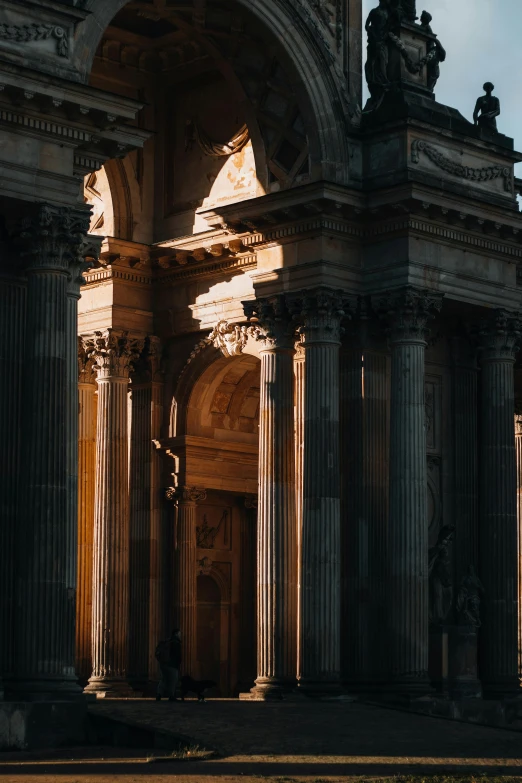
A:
114,354
299,420
320,317
186,574
498,542
145,626
277,526
12,328
407,314
45,623
157,594
518,446
365,461
87,416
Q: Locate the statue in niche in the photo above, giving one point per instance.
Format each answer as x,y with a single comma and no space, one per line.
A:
487,109
436,52
376,68
469,597
440,576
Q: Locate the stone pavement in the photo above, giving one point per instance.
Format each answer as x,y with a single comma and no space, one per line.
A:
291,741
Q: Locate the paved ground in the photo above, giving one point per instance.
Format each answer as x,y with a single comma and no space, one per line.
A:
285,742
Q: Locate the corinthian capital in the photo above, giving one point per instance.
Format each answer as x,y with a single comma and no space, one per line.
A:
114,353
56,238
500,336
406,313
86,373
271,321
319,314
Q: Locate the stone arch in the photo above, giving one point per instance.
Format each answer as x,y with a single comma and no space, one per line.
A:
317,82
204,369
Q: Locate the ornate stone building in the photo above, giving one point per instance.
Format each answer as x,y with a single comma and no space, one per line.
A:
294,354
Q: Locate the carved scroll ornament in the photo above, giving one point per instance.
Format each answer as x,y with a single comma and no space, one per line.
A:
486,174
216,149
25,33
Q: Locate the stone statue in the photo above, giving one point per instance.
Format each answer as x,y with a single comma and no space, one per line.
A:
487,109
436,52
376,68
468,600
409,10
440,577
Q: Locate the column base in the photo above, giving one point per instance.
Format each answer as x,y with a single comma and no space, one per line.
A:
267,689
42,726
312,687
508,688
110,688
408,688
43,690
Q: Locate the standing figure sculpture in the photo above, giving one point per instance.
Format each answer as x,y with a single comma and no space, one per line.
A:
376,68
440,577
436,52
468,600
487,109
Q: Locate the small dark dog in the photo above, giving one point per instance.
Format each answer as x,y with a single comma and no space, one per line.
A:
188,685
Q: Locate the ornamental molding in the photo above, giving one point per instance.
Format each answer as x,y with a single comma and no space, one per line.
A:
442,161
63,132
230,339
29,33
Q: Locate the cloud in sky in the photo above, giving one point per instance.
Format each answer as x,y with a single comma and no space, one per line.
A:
482,40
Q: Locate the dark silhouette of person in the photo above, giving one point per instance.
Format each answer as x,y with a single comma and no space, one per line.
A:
168,655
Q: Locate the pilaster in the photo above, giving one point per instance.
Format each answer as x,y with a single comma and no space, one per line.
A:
319,314
145,625
87,416
186,573
114,354
499,338
277,526
406,314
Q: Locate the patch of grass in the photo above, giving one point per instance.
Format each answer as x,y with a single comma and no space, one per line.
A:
188,753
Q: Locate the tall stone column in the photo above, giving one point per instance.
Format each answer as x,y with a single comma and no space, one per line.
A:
144,628
518,445
299,420
186,573
364,510
114,353
45,562
407,313
498,534
320,315
87,415
463,652
277,526
12,336
247,632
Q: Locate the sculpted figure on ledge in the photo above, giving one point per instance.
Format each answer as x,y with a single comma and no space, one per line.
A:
436,52
376,68
487,109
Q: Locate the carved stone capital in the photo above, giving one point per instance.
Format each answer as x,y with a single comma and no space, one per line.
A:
56,238
86,372
272,322
319,314
192,495
499,336
149,367
406,313
518,422
114,353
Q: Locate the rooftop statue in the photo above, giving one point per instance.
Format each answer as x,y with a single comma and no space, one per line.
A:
487,109
376,68
436,52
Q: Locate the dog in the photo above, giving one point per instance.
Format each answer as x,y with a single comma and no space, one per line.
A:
188,685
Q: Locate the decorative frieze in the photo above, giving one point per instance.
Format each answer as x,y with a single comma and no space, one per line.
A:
447,164
28,33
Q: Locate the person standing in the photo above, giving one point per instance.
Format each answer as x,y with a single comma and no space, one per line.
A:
168,655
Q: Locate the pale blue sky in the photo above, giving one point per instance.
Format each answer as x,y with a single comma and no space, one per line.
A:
483,40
